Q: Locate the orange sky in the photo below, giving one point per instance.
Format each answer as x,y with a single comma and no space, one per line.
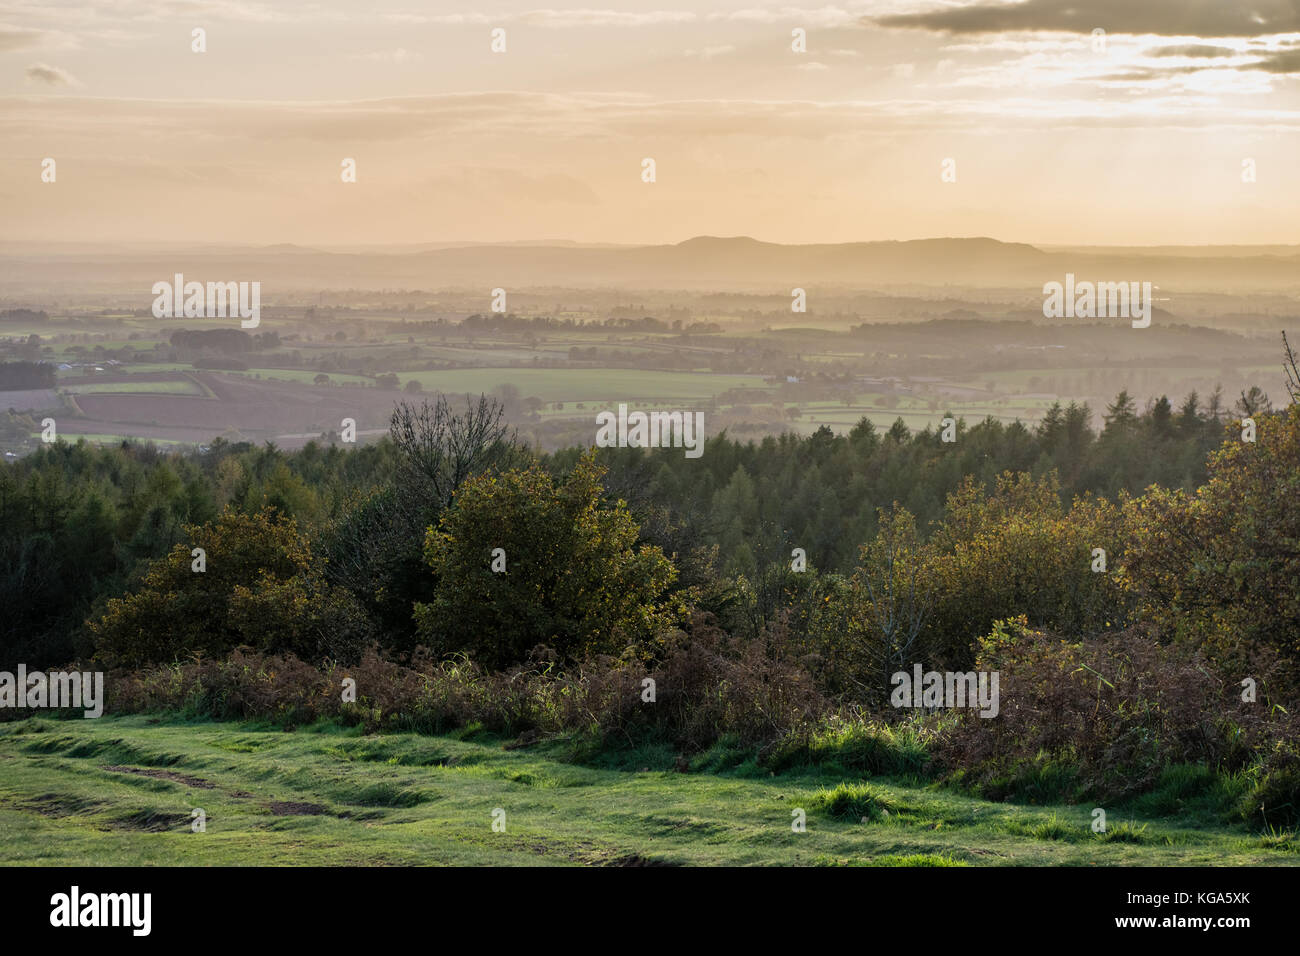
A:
1055,138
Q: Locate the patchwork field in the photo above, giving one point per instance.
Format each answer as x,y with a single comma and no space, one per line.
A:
589,384
121,376
219,403
83,792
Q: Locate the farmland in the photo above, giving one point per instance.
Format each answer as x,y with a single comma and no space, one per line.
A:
555,366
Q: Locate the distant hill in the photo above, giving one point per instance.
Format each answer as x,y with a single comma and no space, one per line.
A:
701,263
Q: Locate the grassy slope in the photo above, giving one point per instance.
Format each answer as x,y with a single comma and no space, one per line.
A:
409,799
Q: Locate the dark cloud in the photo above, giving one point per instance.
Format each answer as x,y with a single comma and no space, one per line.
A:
1146,74
50,75
1201,18
1201,50
1283,61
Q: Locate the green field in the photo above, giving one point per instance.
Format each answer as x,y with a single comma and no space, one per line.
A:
121,790
82,374
173,387
587,384
303,376
100,439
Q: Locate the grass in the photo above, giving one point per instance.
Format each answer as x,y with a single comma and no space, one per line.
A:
121,790
853,801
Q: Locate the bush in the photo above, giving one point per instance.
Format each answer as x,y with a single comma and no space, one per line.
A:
710,684
707,688
1018,551
260,587
1218,569
569,573
1110,714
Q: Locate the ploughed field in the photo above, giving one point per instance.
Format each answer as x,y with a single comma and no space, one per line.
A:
124,791
263,410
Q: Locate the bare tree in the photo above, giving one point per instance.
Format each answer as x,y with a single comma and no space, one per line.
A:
376,546
1214,407
438,449
1253,402
1292,371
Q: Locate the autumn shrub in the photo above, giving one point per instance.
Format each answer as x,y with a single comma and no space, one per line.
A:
1019,550
520,559
709,683
1103,717
706,686
242,580
243,685
1219,568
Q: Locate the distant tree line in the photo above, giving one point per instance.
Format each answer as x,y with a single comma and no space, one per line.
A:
229,341
23,315
757,500
24,375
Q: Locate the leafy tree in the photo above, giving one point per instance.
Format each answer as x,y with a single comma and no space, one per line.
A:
574,579
1219,567
895,597
260,586
1189,415
1161,417
1122,413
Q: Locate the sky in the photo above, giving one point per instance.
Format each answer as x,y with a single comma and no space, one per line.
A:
1179,123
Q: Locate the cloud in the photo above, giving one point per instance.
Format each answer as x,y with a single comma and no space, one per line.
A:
400,55
552,18
485,184
50,75
1198,50
1020,45
1201,18
14,38
1283,61
821,17
236,10
291,132
709,52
